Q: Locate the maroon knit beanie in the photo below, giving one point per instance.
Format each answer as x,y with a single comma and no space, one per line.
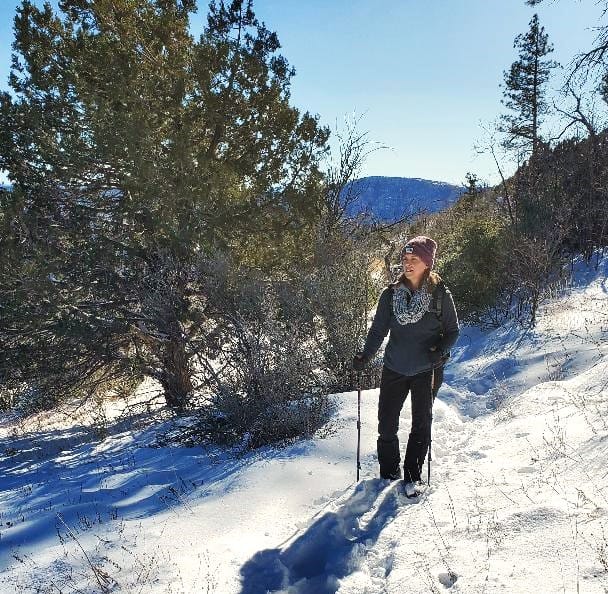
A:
423,247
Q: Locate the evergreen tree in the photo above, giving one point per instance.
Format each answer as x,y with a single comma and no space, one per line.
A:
525,88
130,146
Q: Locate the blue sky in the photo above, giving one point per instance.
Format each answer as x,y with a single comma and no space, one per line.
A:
423,76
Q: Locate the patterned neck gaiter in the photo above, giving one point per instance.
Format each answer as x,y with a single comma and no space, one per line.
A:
409,306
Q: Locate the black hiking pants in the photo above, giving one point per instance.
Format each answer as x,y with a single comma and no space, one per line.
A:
394,389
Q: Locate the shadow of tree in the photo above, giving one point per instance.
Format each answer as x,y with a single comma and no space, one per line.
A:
88,481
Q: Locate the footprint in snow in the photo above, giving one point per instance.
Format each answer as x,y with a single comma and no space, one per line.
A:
447,579
526,470
328,549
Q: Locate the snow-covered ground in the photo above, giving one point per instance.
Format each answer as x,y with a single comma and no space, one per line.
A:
517,502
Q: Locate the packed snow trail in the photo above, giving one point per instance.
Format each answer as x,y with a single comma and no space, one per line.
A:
328,549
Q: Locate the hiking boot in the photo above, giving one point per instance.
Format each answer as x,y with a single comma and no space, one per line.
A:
391,476
409,488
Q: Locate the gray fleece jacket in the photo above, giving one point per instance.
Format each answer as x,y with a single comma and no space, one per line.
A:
408,348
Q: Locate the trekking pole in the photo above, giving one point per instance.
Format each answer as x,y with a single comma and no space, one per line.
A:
428,478
358,423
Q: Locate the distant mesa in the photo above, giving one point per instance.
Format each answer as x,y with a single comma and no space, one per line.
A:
389,199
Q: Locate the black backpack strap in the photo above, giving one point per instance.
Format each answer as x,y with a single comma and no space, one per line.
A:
438,295
437,304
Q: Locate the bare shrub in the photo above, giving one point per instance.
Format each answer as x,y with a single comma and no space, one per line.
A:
341,292
262,379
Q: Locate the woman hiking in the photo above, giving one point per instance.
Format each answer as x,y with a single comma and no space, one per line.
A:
418,313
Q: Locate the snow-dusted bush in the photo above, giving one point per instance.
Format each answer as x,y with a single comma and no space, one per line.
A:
31,400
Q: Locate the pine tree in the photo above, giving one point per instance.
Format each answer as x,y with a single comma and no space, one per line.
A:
525,89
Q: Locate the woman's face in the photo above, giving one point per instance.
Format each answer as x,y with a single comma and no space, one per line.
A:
413,268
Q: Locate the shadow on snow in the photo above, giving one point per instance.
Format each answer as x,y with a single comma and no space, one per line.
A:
87,481
329,549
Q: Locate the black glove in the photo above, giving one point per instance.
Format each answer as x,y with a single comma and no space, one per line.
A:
436,356
359,362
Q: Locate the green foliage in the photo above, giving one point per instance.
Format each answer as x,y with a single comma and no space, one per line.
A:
525,88
572,201
128,140
473,254
195,137
474,259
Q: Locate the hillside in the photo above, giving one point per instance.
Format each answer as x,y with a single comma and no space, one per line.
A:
391,198
518,498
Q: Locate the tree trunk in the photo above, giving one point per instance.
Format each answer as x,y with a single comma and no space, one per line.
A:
177,375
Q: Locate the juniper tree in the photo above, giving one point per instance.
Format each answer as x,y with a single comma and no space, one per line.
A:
130,143
525,89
